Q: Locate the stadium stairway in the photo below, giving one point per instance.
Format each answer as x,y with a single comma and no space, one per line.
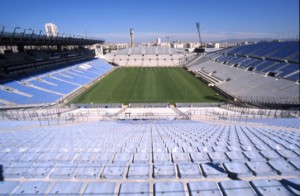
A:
181,115
46,90
207,77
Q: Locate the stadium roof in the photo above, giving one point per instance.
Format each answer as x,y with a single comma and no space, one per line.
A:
13,38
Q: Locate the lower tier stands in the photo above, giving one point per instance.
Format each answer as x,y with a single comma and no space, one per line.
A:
51,86
149,158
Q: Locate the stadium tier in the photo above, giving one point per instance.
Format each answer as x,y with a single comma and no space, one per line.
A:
51,86
280,58
253,73
272,50
148,57
148,158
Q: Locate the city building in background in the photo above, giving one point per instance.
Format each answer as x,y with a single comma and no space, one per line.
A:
51,30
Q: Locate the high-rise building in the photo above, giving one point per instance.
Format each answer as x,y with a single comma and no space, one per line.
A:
158,41
51,30
131,38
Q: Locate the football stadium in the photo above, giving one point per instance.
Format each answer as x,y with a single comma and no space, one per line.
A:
147,120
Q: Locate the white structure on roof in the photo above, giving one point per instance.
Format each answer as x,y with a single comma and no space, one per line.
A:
51,29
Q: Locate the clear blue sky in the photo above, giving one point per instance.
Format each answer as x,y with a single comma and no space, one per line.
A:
111,19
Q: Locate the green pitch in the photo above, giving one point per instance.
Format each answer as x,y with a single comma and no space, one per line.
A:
145,85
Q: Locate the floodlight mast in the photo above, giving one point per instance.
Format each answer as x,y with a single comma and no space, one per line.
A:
199,35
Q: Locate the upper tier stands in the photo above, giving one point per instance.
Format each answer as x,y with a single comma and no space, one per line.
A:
53,85
14,64
241,73
272,50
279,58
148,158
280,69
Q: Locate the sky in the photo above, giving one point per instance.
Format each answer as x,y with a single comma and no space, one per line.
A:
112,19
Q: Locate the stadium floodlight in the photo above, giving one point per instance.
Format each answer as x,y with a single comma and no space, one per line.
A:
32,33
40,33
15,31
25,32
198,29
2,30
30,30
57,35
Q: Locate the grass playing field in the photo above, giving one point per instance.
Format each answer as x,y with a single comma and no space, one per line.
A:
145,85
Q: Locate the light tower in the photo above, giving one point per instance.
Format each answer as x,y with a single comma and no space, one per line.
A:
131,38
200,49
199,35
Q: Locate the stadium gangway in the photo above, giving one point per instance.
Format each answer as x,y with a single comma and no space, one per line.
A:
265,112
152,116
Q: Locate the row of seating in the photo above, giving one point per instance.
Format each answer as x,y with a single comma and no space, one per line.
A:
228,187
82,169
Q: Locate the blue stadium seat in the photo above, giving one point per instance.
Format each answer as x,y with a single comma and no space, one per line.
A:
237,187
260,168
33,188
113,171
66,188
7,187
269,187
100,188
134,188
206,188
169,188
139,171
166,170
189,170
